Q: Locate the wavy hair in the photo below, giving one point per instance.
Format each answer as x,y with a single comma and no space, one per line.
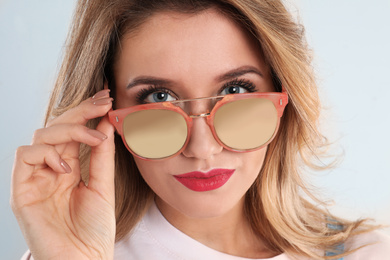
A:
279,205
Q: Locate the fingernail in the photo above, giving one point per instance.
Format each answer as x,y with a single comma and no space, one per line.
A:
65,166
101,94
103,101
97,134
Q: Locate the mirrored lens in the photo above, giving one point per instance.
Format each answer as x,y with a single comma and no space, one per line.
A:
246,124
155,133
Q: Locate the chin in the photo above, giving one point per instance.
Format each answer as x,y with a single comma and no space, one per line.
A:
208,205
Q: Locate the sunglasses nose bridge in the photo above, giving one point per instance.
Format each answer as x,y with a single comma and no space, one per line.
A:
200,107
200,115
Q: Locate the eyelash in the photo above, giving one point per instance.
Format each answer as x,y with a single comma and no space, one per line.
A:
144,93
247,84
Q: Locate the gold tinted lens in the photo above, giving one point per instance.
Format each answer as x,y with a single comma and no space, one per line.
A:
155,133
246,124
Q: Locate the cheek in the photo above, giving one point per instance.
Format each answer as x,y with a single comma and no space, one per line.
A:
251,165
156,173
254,160
146,168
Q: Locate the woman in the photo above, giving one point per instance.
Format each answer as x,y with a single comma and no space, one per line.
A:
215,106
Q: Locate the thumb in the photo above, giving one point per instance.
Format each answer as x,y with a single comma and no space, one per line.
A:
102,163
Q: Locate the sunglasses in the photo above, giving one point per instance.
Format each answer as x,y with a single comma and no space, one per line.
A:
239,122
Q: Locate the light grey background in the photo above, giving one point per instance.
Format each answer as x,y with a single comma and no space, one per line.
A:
350,39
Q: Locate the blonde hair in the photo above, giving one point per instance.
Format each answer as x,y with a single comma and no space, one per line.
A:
275,205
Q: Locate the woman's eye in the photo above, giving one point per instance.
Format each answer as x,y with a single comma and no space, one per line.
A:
159,97
233,90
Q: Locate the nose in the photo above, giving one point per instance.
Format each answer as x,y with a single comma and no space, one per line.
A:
202,144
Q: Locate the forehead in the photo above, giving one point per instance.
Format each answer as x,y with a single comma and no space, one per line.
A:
171,44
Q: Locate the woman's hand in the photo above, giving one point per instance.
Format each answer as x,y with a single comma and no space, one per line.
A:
60,217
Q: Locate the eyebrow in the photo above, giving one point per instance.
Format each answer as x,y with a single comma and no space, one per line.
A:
239,72
149,80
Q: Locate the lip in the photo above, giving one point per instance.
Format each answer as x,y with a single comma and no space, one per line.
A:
205,181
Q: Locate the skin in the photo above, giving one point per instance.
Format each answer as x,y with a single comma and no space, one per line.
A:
193,51
61,218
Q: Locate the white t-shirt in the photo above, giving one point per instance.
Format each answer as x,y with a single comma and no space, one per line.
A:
154,238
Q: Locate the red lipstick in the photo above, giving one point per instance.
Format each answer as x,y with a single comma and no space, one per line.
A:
205,181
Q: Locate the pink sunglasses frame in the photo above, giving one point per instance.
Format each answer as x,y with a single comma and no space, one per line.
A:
279,99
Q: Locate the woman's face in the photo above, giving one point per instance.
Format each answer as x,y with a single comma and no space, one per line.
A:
190,56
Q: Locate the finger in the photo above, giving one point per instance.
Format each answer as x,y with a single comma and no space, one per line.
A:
66,133
102,164
27,158
102,94
90,108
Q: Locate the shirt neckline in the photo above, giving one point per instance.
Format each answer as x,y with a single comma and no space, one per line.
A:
180,244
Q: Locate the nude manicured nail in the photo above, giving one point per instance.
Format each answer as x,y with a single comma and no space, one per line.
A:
97,134
101,94
103,101
65,166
